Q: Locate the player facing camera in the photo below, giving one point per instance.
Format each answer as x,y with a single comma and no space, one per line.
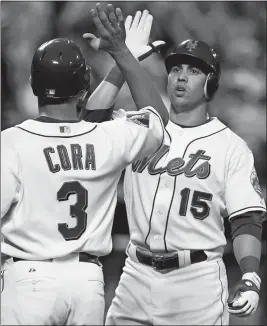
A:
187,185
193,74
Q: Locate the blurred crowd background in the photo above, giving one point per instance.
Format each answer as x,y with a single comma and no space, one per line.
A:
236,29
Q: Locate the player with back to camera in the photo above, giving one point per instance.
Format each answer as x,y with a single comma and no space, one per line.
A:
59,183
176,201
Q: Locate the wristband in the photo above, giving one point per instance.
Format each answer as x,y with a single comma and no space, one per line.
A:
154,49
249,264
254,277
115,77
145,55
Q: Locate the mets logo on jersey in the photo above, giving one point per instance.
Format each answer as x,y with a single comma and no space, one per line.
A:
255,182
197,165
191,45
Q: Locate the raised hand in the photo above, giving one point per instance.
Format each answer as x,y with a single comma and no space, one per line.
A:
110,27
137,35
112,33
138,31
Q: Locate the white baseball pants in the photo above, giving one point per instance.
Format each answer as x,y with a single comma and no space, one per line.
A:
62,292
192,295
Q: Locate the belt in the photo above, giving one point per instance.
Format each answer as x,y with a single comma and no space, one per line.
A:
160,262
83,257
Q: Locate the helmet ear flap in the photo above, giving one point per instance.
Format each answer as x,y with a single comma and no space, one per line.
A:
84,95
211,86
87,75
32,85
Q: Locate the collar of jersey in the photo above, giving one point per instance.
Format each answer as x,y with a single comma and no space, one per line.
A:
43,118
213,125
52,129
183,126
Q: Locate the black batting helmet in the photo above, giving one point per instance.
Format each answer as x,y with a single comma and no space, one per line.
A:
59,70
202,56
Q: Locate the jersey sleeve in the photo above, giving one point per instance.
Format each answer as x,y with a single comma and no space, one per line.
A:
243,192
136,134
96,115
10,180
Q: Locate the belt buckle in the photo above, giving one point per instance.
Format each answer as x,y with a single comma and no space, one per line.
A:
158,262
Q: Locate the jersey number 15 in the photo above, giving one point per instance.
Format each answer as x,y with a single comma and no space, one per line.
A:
199,207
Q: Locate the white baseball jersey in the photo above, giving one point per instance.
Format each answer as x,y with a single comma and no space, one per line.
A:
178,198
59,181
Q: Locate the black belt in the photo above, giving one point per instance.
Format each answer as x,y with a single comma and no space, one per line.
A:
160,262
83,257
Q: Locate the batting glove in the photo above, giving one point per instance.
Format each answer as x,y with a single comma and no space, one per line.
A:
138,33
243,298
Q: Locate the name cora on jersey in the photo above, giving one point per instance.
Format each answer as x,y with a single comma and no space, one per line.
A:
175,166
72,157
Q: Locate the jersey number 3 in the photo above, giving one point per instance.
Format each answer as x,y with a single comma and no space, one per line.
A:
76,211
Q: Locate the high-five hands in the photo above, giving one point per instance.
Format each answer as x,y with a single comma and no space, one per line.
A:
111,29
135,32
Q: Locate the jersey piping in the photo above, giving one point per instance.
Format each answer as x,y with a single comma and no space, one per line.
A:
221,296
245,208
152,209
162,126
46,136
192,141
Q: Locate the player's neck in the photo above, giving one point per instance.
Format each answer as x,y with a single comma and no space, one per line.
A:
189,118
66,111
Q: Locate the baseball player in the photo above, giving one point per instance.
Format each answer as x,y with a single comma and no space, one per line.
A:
176,202
59,184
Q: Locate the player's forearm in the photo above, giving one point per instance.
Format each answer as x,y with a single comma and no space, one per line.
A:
143,90
247,251
247,236
106,93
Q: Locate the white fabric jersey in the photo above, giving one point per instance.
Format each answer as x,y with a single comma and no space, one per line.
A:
59,181
177,198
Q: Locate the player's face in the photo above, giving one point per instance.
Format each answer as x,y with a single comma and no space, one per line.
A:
186,87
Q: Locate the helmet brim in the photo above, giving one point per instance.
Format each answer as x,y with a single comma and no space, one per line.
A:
186,58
